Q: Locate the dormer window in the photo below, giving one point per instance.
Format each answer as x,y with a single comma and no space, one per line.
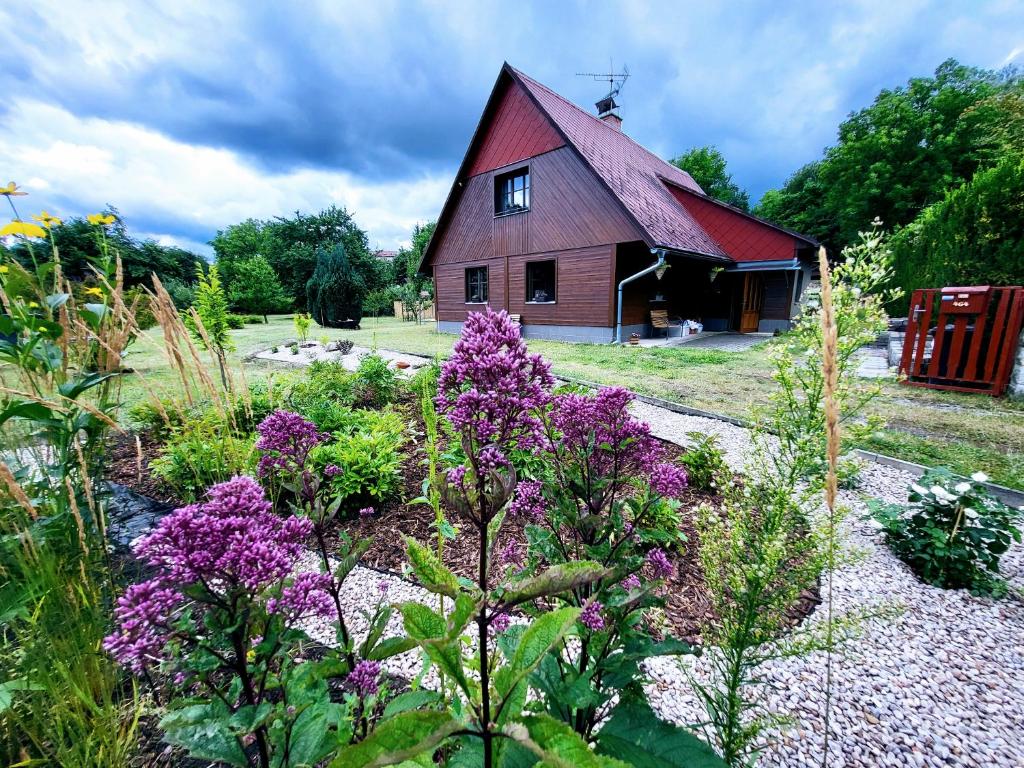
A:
512,192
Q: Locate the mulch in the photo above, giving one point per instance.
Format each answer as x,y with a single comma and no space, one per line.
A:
687,604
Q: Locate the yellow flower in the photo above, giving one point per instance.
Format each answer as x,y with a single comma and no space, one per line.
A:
33,305
23,228
101,219
92,290
11,190
47,220
4,269
250,655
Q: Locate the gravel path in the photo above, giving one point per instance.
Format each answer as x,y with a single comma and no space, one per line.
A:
936,680
939,683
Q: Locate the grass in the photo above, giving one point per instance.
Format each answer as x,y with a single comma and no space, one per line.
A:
963,432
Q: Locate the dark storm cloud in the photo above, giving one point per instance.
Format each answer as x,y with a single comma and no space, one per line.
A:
389,92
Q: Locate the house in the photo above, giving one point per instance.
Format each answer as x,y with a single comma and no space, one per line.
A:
382,255
558,216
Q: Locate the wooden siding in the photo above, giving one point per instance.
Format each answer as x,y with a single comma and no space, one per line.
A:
569,209
517,131
777,292
450,288
582,280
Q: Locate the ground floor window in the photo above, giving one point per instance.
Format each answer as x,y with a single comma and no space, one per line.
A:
540,282
476,285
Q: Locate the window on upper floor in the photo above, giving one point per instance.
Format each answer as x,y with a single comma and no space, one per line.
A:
540,282
476,285
512,192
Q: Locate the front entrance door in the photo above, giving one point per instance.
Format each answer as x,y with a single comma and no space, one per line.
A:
753,301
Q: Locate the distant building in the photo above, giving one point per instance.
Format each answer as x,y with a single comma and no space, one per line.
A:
553,208
385,255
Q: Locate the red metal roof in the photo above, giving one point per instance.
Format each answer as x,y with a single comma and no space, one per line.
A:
744,238
655,192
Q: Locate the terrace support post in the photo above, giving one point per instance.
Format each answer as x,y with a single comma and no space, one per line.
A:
659,264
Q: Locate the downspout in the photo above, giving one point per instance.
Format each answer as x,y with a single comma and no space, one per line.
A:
660,252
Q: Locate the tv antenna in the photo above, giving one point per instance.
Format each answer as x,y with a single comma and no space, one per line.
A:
615,82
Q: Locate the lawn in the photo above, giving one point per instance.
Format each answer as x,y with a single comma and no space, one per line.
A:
964,432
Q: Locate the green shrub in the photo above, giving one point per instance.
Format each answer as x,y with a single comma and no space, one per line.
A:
705,462
374,384
973,236
426,377
235,321
201,454
953,533
368,468
146,416
302,322
335,292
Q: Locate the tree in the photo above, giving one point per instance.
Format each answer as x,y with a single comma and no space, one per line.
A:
900,154
798,205
211,307
256,288
335,291
973,236
707,166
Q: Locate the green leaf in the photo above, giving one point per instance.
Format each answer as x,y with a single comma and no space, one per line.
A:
429,630
351,559
314,734
431,572
248,718
555,580
635,734
421,622
411,700
558,745
25,409
403,737
391,646
203,731
8,688
536,641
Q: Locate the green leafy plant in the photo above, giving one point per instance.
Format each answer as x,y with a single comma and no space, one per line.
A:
302,323
705,462
953,533
201,453
61,350
362,468
374,383
255,288
211,309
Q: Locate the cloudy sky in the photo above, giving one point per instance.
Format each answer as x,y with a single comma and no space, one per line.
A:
189,115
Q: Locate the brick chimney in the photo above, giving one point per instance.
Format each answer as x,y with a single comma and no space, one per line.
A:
613,120
608,112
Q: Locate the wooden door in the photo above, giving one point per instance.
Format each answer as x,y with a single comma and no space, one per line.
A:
753,301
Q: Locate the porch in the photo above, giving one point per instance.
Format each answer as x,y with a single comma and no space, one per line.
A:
747,297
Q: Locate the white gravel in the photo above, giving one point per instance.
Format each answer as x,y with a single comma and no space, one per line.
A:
312,351
936,680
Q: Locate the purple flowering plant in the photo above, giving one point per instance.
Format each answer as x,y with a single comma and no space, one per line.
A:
222,616
609,496
492,394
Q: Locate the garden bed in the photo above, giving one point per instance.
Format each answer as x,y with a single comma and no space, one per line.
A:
686,600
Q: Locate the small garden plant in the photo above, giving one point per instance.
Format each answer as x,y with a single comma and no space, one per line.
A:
953,533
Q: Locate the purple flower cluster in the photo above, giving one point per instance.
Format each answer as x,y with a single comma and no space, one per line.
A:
490,459
630,583
231,544
529,501
365,677
285,441
668,480
659,563
599,429
305,597
490,388
231,539
142,613
591,617
499,623
509,556
366,512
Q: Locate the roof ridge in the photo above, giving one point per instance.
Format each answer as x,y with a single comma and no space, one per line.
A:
605,125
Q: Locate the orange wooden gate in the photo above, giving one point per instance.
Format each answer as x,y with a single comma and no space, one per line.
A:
964,339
